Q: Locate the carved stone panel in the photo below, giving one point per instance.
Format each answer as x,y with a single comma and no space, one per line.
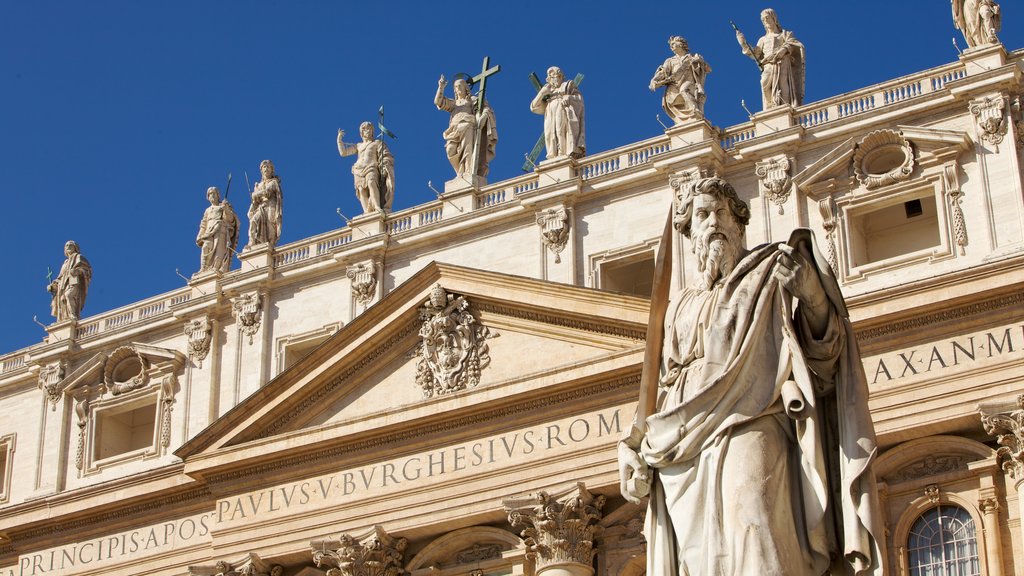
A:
990,117
453,348
363,277
558,529
200,334
374,554
554,230
49,382
248,311
774,177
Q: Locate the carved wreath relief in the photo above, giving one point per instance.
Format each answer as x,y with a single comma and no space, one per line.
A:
989,113
554,230
248,310
883,157
774,177
452,350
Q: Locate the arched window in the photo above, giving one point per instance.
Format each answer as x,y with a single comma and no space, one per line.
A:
943,543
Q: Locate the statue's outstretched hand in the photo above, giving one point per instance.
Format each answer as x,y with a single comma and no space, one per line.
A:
634,474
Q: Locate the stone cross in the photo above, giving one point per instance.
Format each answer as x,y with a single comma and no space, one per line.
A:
531,158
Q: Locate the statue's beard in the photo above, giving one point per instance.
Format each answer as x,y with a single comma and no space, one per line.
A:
716,257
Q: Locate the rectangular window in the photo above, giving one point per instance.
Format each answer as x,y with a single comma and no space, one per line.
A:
6,466
895,230
125,428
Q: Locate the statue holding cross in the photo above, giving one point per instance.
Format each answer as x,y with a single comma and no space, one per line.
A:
561,103
472,134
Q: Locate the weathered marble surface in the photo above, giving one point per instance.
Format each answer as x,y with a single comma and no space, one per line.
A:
472,136
71,285
218,234
561,103
265,211
780,56
373,171
683,76
979,20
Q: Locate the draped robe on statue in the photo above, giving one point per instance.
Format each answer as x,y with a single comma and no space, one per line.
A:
754,416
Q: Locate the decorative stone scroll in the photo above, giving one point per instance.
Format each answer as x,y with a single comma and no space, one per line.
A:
774,178
82,414
374,554
49,382
453,348
559,529
167,386
554,230
830,221
989,115
252,565
1008,428
952,185
125,370
881,158
248,311
200,335
363,277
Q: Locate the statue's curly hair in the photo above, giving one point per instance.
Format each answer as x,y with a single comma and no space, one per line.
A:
717,187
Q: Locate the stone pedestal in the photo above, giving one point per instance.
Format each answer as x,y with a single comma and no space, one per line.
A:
460,192
65,330
559,529
983,58
558,169
204,283
692,132
774,120
258,256
368,224
464,182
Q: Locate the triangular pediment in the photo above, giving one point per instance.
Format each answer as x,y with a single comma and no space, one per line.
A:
503,336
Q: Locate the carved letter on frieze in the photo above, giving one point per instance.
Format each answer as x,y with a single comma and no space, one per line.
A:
558,529
829,220
49,382
989,115
248,311
375,554
199,333
453,348
554,230
774,177
82,412
250,566
363,277
1008,428
952,184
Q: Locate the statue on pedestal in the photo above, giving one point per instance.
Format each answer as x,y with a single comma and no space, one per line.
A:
683,76
71,285
754,441
218,234
265,210
979,20
561,103
472,135
374,170
781,59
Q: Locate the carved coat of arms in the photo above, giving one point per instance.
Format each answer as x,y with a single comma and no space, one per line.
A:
453,348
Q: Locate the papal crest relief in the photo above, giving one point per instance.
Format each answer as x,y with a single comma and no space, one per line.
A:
453,348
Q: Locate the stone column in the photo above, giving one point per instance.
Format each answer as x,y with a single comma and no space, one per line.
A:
1006,423
558,529
376,553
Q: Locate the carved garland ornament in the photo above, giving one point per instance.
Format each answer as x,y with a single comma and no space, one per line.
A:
200,334
82,413
558,530
829,221
248,311
49,382
883,157
453,349
952,185
1009,432
989,115
774,177
376,554
363,278
554,230
121,358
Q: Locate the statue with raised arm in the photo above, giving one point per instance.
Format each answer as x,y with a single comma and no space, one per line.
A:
753,439
265,210
472,135
683,76
561,103
781,59
979,20
373,171
218,234
71,285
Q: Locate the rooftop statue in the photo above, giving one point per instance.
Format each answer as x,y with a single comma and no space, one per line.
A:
374,170
781,59
759,416
979,20
561,103
218,234
683,77
71,285
472,134
265,210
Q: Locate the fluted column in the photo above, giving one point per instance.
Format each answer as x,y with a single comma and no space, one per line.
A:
1006,423
376,553
559,529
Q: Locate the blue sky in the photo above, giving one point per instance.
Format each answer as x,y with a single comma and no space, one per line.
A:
116,116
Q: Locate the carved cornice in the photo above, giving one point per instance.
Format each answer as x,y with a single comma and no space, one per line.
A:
637,335
1009,301
558,529
374,554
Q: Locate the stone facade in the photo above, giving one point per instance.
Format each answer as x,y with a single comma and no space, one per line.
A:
223,429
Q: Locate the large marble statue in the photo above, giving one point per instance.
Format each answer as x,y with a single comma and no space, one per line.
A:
781,59
71,285
471,137
759,418
374,170
979,20
218,234
683,77
561,103
265,210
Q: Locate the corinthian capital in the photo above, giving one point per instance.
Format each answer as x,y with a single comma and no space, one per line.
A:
559,529
1006,423
374,554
